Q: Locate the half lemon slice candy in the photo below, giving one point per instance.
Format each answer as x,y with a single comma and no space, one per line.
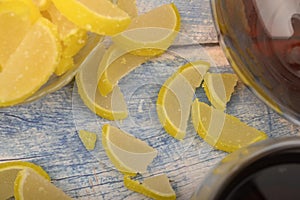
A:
150,34
128,6
16,19
156,187
116,64
176,96
9,172
128,154
223,131
30,185
102,16
112,106
42,4
31,64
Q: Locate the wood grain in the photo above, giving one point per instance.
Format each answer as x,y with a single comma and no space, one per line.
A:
196,17
46,131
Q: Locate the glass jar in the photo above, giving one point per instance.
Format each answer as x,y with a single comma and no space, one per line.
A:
261,40
268,170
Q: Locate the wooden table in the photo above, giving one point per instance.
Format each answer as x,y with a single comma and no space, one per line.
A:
46,131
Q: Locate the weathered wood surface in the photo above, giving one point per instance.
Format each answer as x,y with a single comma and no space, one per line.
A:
195,15
46,131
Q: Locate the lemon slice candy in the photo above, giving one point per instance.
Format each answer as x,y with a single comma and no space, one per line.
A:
30,185
156,187
128,154
64,65
112,106
150,34
117,64
102,16
42,4
16,19
88,139
8,174
31,64
176,96
34,11
223,131
72,37
219,88
129,6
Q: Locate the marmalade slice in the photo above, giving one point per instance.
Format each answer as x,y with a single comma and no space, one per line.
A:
156,187
176,96
127,153
112,106
115,65
31,64
8,174
16,19
223,131
102,16
148,34
30,185
128,6
72,37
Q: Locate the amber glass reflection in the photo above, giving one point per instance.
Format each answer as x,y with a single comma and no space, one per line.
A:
271,66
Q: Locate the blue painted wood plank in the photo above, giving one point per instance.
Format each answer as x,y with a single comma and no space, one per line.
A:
196,18
46,131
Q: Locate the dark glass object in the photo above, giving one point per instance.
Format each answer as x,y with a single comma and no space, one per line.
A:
267,170
269,65
274,177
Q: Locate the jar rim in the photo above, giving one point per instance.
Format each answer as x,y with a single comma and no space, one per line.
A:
233,164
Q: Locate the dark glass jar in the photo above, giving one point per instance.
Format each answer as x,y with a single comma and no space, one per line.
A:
268,170
268,64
